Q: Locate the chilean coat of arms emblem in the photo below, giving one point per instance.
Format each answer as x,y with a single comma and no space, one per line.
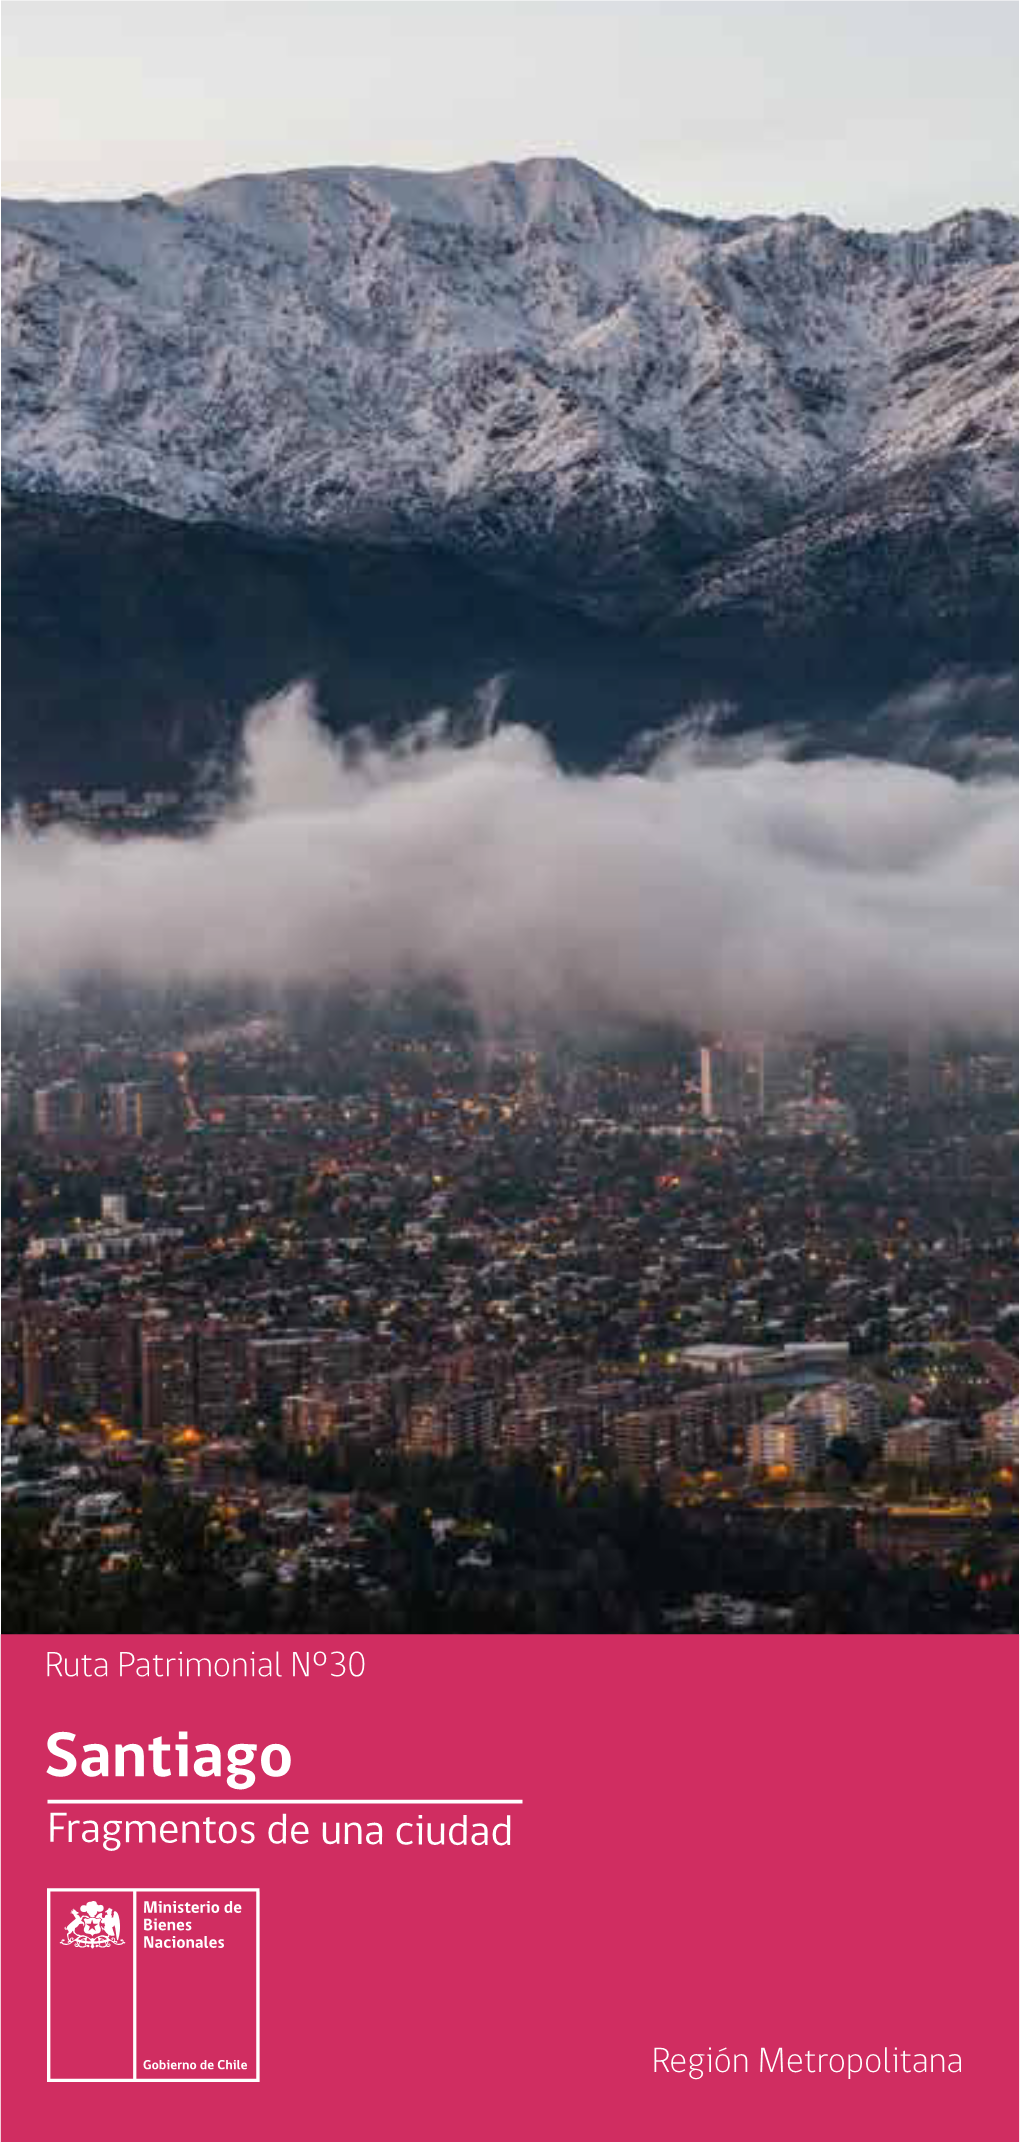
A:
93,1927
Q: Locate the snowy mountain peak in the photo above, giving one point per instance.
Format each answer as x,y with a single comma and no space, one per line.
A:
490,198
520,361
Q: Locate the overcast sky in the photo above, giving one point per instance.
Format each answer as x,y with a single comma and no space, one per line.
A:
883,111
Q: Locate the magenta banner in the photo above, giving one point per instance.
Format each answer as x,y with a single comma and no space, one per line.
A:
599,1872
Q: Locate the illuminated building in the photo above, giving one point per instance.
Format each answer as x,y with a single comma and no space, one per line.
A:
222,1374
289,1361
133,1110
842,1409
310,1417
48,1369
1000,1431
645,1441
794,1441
168,1378
467,1421
78,1362
730,1084
746,1081
278,1365
60,1110
921,1441
693,1428
13,1354
532,1427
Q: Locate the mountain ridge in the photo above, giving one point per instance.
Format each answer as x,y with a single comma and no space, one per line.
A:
523,360
746,440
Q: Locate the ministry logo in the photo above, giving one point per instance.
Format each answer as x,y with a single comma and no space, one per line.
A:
92,1927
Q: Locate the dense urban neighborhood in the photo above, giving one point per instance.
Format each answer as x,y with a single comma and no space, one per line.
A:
318,1319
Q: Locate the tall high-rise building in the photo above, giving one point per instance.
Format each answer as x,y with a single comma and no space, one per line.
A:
60,1110
48,1382
1000,1431
105,1363
282,1362
310,1418
730,1084
13,1353
168,1377
456,1422
78,1362
133,1110
922,1441
849,1408
746,1081
795,1441
644,1440
279,1363
222,1374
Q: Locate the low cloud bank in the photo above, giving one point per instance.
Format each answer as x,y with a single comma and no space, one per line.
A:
752,892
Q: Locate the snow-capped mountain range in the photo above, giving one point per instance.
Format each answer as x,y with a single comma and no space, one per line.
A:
522,361
399,431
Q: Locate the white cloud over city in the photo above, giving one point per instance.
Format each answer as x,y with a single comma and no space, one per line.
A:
758,892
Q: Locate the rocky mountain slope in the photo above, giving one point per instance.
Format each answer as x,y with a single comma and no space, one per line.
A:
684,429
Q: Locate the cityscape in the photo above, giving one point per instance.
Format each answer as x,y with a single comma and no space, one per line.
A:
509,843
323,1316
